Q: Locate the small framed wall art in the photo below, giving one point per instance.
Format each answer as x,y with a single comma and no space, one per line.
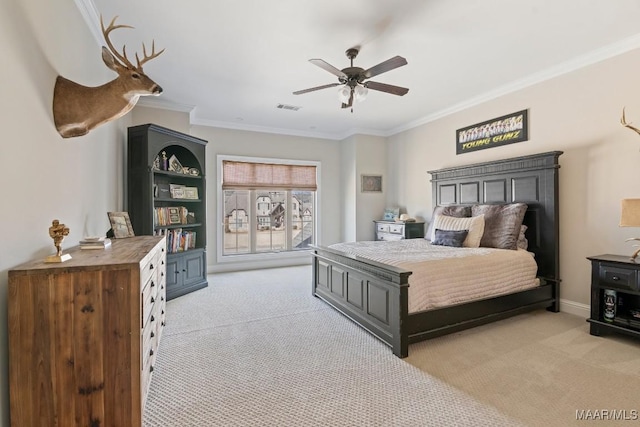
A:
371,184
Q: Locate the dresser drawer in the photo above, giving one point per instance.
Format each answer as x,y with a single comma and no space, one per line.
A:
149,297
390,236
148,343
618,277
382,228
396,229
150,267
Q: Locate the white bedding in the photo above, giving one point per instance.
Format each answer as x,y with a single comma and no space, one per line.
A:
444,276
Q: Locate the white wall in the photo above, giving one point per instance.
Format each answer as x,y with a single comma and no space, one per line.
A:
577,113
370,160
348,189
44,176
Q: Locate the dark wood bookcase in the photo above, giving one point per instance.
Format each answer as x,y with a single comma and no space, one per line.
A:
148,200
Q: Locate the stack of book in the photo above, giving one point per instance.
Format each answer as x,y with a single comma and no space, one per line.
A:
95,243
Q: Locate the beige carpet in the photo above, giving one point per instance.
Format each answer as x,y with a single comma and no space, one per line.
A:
257,349
540,368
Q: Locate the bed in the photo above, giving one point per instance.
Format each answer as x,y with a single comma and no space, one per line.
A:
376,295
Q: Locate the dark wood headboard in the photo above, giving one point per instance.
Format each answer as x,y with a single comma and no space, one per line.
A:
529,179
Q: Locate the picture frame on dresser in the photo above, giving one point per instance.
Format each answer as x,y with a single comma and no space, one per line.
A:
120,224
390,214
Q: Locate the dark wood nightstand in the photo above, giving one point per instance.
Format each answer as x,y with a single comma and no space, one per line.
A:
391,230
615,295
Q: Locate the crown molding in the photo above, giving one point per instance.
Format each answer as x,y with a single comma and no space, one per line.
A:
264,129
558,70
153,102
92,18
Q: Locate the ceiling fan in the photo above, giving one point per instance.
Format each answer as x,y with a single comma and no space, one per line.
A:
352,79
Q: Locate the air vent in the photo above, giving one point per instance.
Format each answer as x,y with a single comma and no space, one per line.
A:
288,107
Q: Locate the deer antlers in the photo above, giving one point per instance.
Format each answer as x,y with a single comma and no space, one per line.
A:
624,123
123,58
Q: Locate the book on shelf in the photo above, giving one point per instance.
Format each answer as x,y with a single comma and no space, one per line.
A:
178,240
101,243
171,215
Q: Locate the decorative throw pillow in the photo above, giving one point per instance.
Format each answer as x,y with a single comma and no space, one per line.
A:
523,243
452,238
501,224
475,226
450,210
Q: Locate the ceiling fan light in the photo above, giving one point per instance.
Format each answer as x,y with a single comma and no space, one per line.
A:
360,93
344,93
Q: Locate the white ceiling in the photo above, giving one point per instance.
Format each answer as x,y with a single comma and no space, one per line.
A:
230,63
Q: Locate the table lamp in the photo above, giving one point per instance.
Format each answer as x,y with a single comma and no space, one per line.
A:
630,217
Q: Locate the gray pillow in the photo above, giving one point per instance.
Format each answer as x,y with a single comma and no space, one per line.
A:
523,243
450,210
501,224
453,238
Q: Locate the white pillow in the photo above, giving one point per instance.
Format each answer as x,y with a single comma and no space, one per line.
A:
474,224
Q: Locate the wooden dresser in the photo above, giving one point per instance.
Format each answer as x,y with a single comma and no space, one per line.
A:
83,335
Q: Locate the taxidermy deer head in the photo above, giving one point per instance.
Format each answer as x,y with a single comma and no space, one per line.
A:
624,123
77,109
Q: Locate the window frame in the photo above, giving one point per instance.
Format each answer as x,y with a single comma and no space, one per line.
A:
293,255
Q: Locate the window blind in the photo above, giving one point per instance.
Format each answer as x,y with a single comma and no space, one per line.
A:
247,175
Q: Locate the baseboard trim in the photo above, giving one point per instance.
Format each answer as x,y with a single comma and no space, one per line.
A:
576,308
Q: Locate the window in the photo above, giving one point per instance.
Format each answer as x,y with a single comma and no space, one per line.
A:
267,207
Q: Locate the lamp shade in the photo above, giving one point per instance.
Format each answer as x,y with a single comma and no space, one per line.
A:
344,93
630,213
360,93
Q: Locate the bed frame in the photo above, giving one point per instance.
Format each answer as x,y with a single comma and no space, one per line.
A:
375,295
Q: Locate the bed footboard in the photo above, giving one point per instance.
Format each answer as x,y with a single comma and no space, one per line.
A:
373,295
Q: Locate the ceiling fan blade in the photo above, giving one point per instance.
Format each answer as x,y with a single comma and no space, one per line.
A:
383,67
383,87
311,89
330,68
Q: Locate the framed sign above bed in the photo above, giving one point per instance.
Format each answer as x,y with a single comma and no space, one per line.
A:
493,133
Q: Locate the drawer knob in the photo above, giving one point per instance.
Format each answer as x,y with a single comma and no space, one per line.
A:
152,334
151,368
152,318
151,266
153,300
615,278
151,352
163,324
152,284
